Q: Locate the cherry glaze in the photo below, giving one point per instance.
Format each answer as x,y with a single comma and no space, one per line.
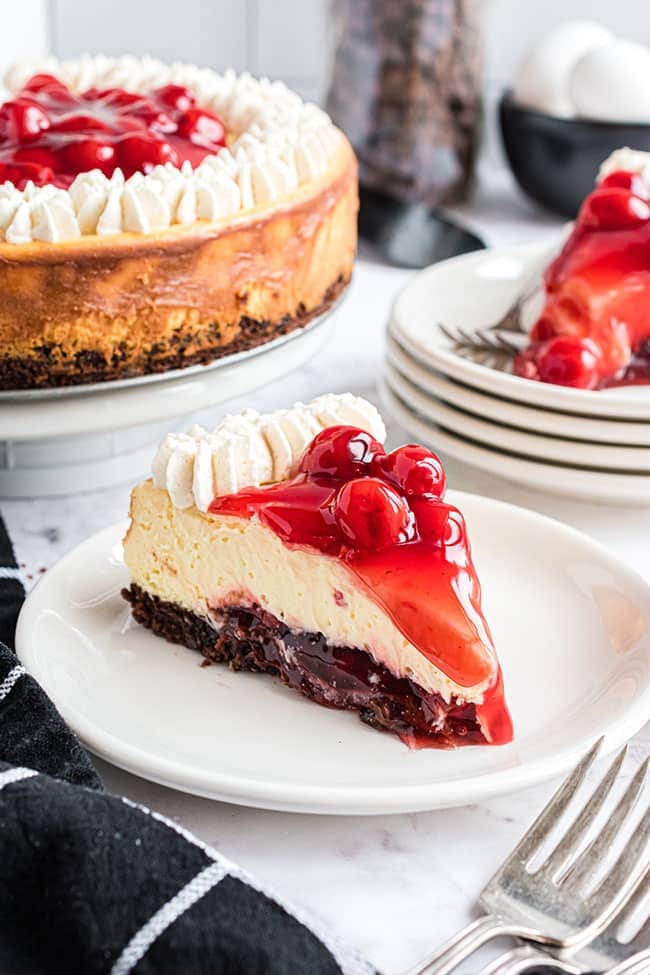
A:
424,580
49,134
598,292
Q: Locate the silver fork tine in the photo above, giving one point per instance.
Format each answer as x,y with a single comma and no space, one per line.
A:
570,842
586,866
633,854
642,937
535,836
451,334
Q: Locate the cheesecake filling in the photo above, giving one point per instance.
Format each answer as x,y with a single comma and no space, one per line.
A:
237,565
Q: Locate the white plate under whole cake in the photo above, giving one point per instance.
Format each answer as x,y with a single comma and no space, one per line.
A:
582,483
85,438
575,656
626,433
473,291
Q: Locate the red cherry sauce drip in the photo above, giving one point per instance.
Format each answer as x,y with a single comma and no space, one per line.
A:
49,134
430,591
598,288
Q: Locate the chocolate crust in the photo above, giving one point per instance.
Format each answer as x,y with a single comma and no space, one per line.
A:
53,367
249,638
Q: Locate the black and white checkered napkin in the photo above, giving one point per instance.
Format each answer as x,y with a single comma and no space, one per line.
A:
92,884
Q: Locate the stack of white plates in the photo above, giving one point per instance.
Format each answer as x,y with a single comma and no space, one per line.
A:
593,445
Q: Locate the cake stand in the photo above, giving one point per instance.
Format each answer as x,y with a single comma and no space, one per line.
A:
81,438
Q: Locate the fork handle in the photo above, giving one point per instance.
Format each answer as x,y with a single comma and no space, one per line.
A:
463,944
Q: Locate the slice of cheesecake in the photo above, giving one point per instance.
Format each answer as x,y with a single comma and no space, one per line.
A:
594,329
293,544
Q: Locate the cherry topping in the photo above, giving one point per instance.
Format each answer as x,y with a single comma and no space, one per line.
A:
175,96
91,153
49,135
22,120
627,181
201,127
44,82
415,470
613,208
80,122
342,452
569,361
438,523
371,515
138,153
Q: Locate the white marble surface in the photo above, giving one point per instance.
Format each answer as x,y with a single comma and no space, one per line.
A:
393,886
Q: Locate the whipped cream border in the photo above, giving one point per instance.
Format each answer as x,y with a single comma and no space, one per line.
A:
250,449
280,144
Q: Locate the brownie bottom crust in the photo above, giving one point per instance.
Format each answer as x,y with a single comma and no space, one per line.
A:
249,638
53,366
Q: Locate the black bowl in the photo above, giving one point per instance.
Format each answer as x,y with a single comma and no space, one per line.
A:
555,160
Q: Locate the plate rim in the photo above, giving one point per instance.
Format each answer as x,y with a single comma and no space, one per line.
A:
432,431
340,800
597,404
533,416
413,393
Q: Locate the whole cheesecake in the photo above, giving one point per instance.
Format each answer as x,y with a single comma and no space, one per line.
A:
154,217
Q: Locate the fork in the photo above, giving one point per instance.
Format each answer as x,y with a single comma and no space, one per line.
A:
491,338
522,960
606,948
550,905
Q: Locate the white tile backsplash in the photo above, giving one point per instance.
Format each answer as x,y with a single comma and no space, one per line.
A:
281,38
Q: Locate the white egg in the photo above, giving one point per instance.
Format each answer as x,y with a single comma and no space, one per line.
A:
612,83
542,81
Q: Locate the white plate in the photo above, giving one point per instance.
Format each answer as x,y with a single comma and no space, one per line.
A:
474,290
567,481
176,394
575,654
50,447
607,459
632,433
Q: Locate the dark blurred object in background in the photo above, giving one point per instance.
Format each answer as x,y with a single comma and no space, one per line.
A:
556,160
406,89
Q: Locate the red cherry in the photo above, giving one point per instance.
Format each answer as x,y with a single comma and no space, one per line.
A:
117,97
569,361
438,523
139,153
47,83
153,117
203,128
414,470
23,172
37,155
371,515
543,329
626,180
22,120
613,208
87,154
342,452
177,97
80,122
